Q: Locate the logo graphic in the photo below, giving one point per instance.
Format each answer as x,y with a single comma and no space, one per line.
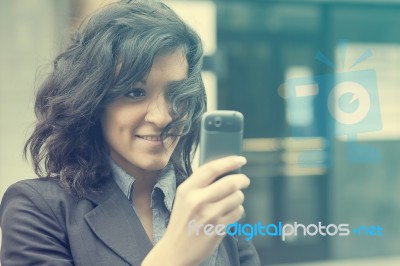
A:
281,230
351,99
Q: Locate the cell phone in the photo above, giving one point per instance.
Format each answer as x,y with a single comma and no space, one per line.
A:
221,135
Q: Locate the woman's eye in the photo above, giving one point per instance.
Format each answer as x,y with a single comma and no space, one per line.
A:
136,93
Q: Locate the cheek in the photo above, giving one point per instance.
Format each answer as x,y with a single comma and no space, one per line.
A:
121,114
116,121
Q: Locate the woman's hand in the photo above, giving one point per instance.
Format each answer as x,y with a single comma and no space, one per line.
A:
200,201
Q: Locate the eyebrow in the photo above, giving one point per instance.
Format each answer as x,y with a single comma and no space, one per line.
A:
169,85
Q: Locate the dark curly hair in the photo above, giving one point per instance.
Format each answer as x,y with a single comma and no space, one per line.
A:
114,49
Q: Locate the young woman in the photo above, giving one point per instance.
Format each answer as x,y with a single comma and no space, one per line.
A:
117,125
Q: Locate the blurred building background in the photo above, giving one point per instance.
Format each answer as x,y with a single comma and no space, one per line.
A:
316,152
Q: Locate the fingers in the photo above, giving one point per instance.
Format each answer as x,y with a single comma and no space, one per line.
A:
211,213
227,204
232,216
225,186
210,171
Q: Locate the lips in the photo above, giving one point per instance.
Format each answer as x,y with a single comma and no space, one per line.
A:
150,138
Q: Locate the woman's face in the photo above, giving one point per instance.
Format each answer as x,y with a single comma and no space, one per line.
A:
132,124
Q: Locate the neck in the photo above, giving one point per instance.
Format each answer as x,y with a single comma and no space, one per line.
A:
144,179
145,183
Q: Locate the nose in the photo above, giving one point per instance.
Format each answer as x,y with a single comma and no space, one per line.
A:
158,112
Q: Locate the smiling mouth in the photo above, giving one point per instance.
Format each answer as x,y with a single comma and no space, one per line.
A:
150,138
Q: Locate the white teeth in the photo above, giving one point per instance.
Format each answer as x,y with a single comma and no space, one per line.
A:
149,138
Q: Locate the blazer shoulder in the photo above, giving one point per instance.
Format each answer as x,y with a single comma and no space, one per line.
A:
33,222
40,192
46,188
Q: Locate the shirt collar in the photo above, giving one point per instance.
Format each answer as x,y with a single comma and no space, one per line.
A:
122,178
166,183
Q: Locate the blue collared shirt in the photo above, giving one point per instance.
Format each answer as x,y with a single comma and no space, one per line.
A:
162,198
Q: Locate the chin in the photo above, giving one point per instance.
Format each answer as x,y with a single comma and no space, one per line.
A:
155,165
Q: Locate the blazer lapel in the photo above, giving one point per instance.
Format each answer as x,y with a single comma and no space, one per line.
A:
115,222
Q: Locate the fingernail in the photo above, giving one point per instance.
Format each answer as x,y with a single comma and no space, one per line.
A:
241,160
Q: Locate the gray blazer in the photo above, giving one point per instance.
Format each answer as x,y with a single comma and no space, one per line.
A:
44,225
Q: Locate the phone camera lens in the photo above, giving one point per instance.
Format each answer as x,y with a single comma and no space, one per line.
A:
218,122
